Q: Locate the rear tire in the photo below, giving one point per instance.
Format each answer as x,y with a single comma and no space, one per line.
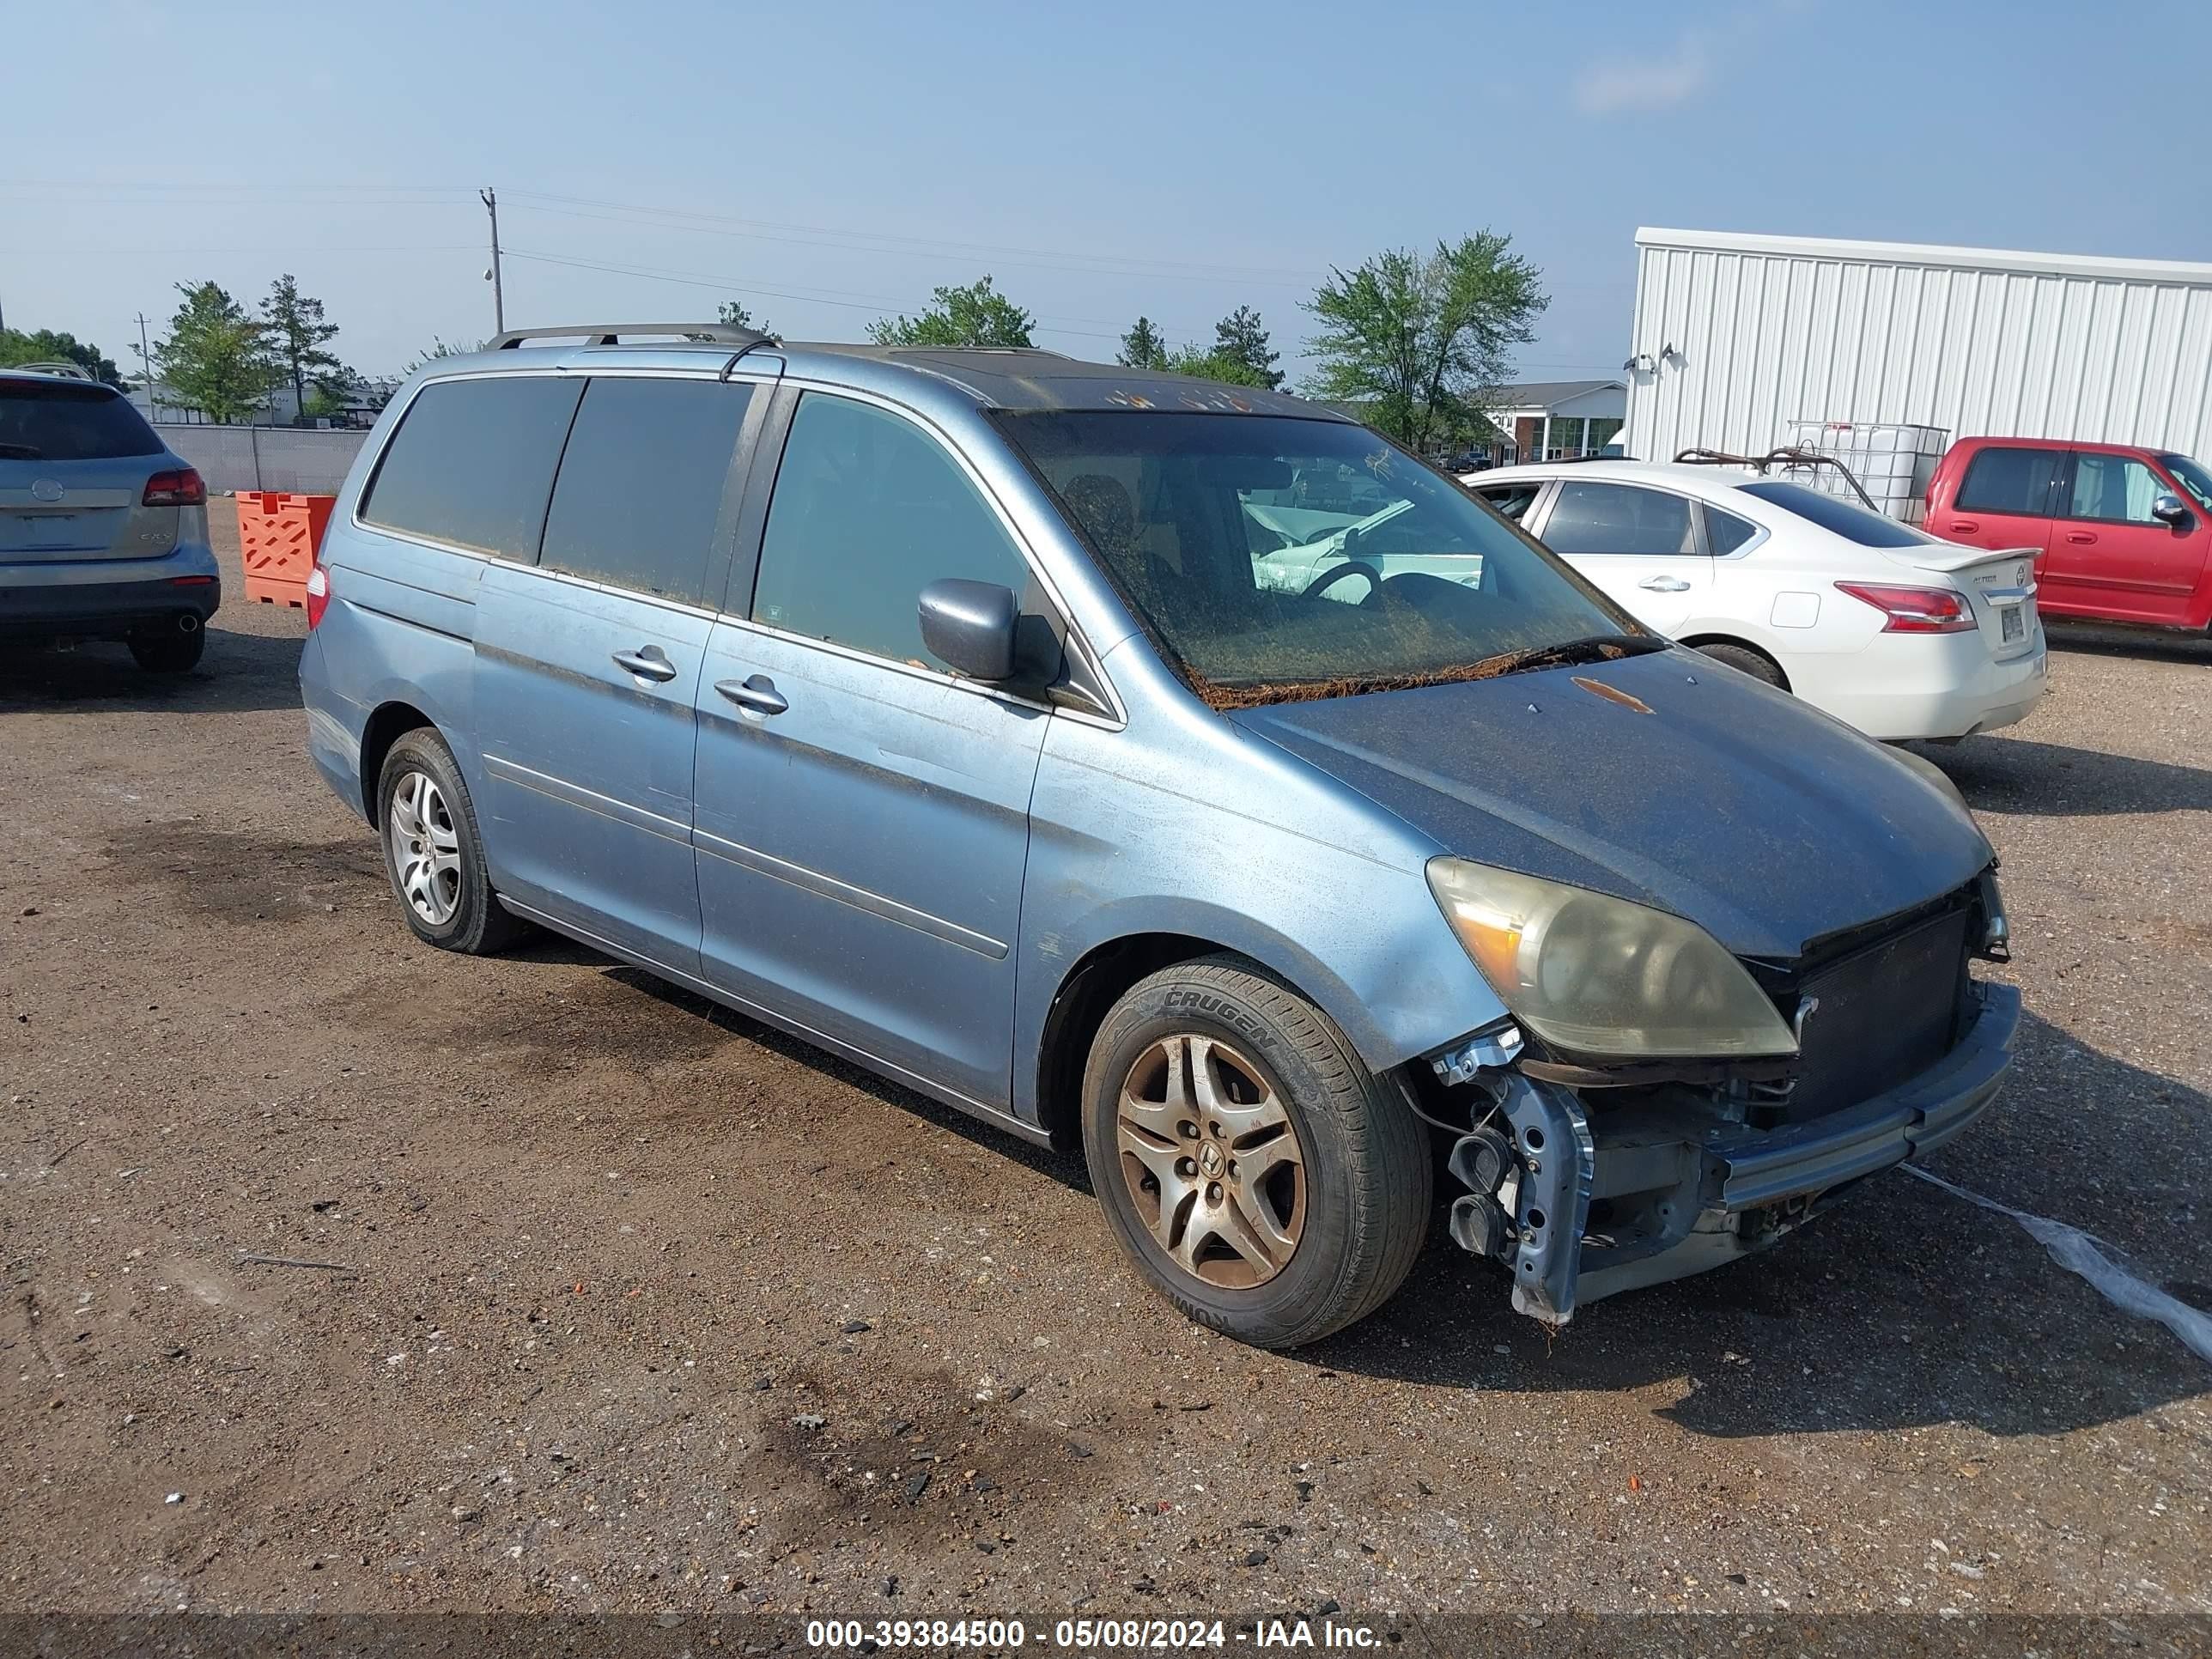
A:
1745,660
434,851
168,652
1274,1188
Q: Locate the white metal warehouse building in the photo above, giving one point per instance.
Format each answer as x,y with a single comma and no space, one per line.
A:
1736,338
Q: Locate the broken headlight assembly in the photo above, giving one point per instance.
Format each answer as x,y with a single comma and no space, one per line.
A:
1602,978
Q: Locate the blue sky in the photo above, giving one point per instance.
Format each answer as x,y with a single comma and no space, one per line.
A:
827,163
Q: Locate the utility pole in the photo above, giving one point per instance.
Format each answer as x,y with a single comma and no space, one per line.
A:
145,361
490,199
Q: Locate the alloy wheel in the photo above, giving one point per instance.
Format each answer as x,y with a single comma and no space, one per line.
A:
1212,1161
425,846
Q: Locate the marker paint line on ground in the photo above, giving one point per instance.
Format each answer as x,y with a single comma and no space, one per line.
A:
2082,1254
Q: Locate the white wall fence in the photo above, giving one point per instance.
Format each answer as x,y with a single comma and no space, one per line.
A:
303,459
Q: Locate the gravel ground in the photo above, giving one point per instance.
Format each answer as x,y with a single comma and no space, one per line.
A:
639,1306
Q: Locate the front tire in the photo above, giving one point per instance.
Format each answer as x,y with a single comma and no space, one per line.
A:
434,851
1262,1177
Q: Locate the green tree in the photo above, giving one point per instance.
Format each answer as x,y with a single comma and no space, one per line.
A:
734,314
1216,364
1143,348
1241,337
977,315
296,332
217,357
1417,337
440,349
45,345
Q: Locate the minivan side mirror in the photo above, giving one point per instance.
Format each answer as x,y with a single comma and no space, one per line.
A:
2169,510
971,626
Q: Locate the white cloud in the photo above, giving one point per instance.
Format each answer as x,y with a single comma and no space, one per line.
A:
1671,77
1615,86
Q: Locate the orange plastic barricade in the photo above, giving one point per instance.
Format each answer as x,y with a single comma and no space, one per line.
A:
278,533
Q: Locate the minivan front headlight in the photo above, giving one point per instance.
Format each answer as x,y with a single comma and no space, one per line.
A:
1602,977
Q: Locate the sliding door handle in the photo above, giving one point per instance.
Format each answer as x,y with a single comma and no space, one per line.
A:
757,695
647,662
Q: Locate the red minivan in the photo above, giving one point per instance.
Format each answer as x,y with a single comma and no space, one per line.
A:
2119,533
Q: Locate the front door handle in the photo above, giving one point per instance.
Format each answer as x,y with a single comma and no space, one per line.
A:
757,694
647,662
1966,526
2081,537
1665,584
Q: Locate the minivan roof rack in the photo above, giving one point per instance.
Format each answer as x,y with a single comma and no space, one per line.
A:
616,333
60,370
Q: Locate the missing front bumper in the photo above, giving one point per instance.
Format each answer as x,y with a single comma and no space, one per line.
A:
1636,1196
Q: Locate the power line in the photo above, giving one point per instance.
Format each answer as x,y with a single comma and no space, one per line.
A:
881,242
877,305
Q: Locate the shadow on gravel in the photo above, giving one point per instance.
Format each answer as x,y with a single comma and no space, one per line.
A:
1067,1168
240,673
1902,1309
2000,773
2144,644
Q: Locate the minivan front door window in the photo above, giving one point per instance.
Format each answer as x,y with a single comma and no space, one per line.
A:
868,511
1276,559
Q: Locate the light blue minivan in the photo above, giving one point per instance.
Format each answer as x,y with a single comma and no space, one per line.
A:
952,710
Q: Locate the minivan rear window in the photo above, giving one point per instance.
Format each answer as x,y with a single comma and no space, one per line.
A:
1846,518
642,483
70,421
472,463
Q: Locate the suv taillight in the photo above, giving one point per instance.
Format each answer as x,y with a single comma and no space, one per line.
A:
318,592
1915,610
181,489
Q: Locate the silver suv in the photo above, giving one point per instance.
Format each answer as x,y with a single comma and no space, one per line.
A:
103,531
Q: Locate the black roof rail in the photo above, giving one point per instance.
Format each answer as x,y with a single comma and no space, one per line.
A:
616,333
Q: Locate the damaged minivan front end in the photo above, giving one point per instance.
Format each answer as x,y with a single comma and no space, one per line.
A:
1655,1107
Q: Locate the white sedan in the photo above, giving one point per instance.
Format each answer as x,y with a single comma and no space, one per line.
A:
1891,630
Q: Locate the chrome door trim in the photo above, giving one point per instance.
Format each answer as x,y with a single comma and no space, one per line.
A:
589,801
860,898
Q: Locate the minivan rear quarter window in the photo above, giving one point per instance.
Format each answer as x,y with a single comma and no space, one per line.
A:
472,463
2005,480
643,484
69,421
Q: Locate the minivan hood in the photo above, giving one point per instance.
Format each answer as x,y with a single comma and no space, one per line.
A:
1729,803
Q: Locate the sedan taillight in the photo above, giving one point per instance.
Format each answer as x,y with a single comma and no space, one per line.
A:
1915,610
317,594
183,487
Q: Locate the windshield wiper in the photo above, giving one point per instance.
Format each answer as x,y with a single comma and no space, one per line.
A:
1247,691
1598,647
21,452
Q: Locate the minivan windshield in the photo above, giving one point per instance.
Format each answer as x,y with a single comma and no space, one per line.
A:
1278,559
69,421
